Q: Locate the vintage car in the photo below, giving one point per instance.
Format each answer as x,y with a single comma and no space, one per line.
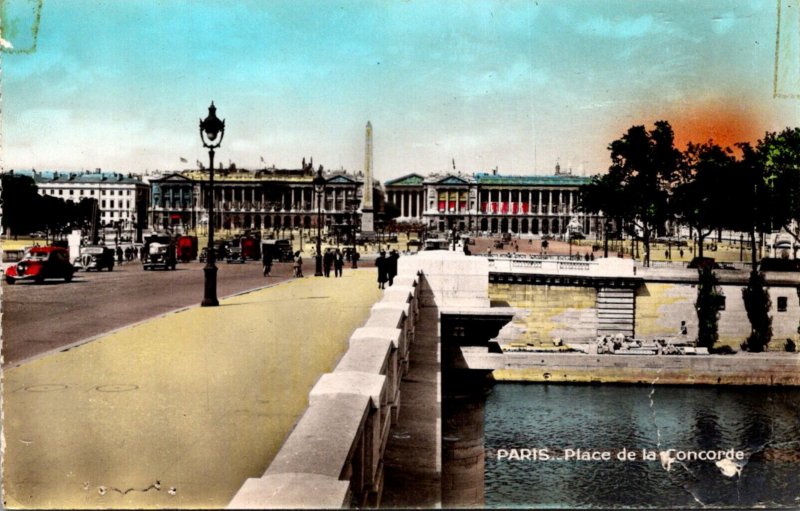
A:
97,258
280,250
40,263
235,255
159,252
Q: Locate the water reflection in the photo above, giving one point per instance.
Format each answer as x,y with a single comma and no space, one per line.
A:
762,423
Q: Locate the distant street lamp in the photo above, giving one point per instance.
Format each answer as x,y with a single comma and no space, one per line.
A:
319,189
741,247
210,127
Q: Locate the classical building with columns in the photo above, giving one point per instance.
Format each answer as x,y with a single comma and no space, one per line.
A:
254,199
494,203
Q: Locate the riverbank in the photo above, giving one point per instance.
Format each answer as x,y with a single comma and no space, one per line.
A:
739,369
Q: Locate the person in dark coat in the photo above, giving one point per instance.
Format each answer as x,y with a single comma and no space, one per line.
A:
119,254
327,262
266,261
381,263
338,263
391,266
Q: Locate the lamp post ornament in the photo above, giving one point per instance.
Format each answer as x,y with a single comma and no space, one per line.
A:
210,128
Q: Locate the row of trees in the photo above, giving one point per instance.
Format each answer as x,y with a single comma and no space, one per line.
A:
25,211
651,183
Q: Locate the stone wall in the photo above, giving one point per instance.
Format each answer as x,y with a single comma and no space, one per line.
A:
660,308
740,369
547,312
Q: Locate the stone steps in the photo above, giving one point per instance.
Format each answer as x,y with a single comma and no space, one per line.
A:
616,311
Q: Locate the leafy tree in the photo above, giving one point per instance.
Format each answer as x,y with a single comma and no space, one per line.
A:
779,155
21,211
644,167
707,307
757,304
700,198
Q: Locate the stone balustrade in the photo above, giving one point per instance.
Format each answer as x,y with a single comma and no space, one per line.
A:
603,267
333,458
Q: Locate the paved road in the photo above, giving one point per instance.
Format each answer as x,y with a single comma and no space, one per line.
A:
41,318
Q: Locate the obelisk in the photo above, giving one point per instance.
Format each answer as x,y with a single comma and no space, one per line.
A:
367,216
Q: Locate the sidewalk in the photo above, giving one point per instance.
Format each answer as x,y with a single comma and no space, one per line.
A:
176,412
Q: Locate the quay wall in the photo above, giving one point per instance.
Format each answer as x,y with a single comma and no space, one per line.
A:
739,369
547,312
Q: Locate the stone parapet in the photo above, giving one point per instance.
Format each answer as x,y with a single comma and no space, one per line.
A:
334,456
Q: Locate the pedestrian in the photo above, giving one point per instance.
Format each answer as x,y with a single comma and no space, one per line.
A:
681,253
338,263
266,261
381,263
298,265
391,266
356,257
119,254
327,262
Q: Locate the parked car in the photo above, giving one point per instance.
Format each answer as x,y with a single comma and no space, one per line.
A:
41,263
97,258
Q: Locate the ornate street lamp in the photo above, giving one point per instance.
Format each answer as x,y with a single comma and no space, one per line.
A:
319,189
210,128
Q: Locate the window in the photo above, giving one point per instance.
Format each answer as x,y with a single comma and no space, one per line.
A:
111,204
61,192
783,302
72,192
103,203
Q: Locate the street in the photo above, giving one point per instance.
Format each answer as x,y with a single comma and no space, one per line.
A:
45,317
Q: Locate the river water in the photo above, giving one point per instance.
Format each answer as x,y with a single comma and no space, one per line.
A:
761,426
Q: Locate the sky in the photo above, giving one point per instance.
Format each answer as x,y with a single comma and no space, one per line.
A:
516,85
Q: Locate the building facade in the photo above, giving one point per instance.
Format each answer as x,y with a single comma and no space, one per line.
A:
493,203
122,199
254,199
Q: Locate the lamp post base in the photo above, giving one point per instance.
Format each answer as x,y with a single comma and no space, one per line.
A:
318,268
210,292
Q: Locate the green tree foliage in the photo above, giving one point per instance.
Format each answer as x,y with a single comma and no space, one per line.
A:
701,199
20,198
644,168
707,307
25,211
757,304
779,157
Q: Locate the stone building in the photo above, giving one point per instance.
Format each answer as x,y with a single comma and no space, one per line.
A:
267,198
495,203
122,198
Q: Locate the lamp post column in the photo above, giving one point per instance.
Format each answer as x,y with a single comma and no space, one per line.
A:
210,269
318,265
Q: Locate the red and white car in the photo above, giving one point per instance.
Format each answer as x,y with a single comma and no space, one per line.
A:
41,263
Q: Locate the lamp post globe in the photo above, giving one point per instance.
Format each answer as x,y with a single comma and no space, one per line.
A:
210,128
319,189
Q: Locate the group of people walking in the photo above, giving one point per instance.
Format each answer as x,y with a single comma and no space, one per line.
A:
387,268
333,260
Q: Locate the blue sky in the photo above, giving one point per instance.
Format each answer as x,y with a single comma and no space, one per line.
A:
517,85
